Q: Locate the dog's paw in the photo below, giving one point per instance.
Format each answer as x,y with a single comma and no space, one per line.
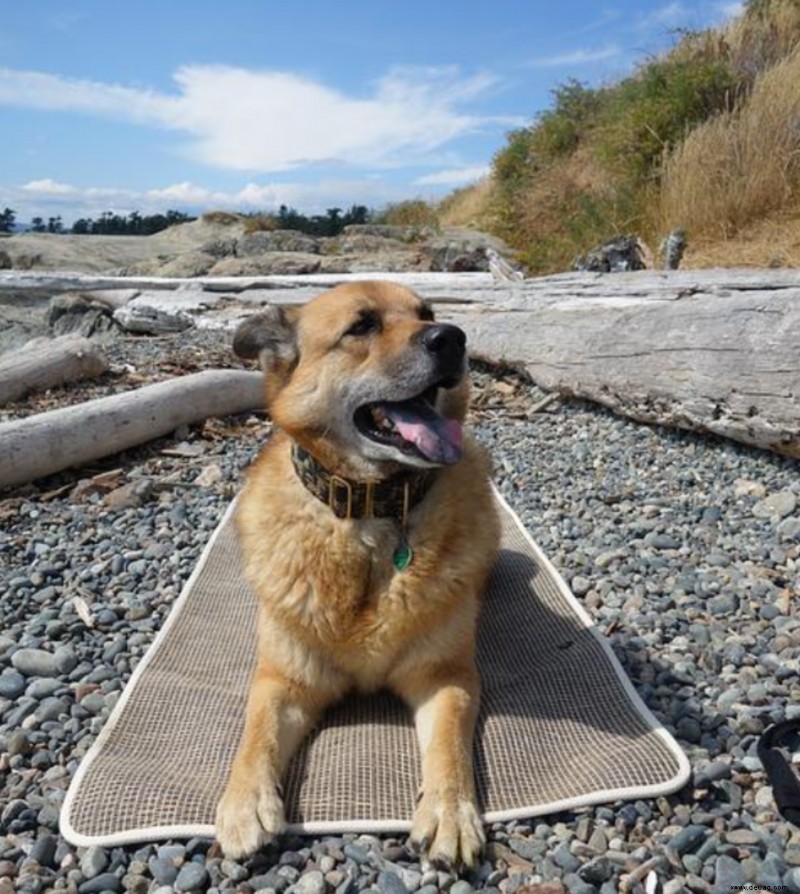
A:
448,829
247,821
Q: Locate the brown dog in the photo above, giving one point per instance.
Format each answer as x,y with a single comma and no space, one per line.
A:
368,530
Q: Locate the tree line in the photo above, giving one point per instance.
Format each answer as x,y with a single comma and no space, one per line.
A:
136,224
108,224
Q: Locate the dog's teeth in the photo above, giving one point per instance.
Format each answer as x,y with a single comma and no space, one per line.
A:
381,420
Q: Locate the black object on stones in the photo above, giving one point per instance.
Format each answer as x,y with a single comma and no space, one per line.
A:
785,783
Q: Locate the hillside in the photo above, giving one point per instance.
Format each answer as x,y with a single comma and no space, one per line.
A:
704,137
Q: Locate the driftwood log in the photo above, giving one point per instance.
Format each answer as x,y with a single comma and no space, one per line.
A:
719,356
49,442
711,350
46,362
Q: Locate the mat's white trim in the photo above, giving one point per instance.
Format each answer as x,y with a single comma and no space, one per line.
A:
360,826
136,835
602,795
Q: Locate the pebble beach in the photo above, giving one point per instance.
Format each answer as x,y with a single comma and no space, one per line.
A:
684,549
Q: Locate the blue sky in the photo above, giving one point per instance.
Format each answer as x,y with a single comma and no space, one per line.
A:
247,104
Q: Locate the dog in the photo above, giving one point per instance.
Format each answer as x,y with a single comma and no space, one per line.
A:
368,529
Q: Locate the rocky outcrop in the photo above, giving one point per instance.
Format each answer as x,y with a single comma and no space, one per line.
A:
218,248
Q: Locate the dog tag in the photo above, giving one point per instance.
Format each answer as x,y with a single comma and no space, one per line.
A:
402,556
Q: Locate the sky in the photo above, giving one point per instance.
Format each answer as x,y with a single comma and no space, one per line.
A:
249,104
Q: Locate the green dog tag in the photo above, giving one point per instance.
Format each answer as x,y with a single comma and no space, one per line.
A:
402,557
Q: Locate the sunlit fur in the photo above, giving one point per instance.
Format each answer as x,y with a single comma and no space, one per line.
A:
335,614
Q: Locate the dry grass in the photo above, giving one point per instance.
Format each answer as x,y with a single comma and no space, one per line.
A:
741,165
469,206
767,32
259,223
773,241
221,217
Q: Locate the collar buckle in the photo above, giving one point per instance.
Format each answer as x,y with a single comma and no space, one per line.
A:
335,481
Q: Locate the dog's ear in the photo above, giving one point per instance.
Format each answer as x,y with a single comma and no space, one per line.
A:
268,337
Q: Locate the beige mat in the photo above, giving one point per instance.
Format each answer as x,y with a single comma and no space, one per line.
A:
560,726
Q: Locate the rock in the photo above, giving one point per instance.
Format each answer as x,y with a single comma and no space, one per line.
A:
143,319
620,254
106,881
163,870
12,685
192,877
728,875
580,585
44,850
687,839
80,314
275,263
187,265
776,506
461,887
291,241
129,496
35,663
664,541
528,848
66,659
18,743
94,861
314,883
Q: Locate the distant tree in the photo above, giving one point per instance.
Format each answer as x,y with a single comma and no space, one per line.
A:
134,224
54,225
37,225
7,219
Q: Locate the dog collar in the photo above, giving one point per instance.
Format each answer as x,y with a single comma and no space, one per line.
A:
394,497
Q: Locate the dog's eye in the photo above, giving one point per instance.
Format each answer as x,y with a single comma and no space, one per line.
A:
366,323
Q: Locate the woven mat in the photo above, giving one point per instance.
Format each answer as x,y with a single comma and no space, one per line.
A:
560,726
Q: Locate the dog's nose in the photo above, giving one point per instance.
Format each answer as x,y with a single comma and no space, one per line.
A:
447,344
444,339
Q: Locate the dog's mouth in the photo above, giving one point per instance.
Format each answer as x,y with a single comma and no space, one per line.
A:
412,426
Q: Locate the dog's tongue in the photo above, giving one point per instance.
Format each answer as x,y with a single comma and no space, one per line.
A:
437,439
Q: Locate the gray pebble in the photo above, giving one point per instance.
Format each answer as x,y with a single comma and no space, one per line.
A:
12,685
106,881
461,887
728,875
776,506
311,883
35,663
191,877
688,839
94,861
163,870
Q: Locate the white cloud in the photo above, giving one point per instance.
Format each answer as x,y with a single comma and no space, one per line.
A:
665,16
576,57
49,187
454,177
39,198
249,120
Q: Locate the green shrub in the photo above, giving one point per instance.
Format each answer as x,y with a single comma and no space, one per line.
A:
650,113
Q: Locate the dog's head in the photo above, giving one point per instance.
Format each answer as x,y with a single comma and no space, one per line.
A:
363,378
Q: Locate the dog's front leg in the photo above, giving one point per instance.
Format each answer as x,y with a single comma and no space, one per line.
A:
279,714
445,704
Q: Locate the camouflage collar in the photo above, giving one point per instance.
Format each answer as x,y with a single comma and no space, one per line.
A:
394,497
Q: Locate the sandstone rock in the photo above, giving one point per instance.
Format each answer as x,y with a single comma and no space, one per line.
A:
286,263
265,241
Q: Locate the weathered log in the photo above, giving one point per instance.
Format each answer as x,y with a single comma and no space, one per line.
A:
49,442
45,362
723,361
